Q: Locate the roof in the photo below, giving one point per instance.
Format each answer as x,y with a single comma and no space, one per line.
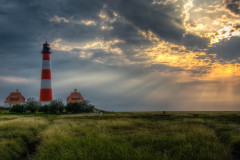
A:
75,97
15,98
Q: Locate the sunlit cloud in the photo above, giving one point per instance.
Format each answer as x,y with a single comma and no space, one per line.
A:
204,66
58,44
88,22
59,19
106,27
98,47
163,2
105,17
210,20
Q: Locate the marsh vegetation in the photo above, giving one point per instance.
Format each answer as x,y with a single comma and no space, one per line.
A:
152,135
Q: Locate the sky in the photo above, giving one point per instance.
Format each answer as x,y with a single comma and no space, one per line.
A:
125,55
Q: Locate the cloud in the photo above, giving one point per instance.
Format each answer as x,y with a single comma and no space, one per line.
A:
154,18
195,42
233,6
207,23
15,80
108,46
88,22
58,19
228,49
106,27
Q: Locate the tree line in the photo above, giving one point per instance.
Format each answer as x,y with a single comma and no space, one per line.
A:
55,106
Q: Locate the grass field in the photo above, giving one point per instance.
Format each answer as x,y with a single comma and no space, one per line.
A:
133,136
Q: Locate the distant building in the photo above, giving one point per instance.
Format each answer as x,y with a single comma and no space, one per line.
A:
14,98
75,97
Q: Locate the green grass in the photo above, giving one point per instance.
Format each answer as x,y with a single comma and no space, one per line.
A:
18,134
149,135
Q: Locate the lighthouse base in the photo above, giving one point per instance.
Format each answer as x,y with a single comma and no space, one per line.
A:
43,103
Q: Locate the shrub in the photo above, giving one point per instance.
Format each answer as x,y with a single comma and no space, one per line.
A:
18,108
90,108
43,108
72,107
32,104
2,108
61,108
56,105
80,107
69,107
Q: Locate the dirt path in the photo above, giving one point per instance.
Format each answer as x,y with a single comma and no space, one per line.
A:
32,147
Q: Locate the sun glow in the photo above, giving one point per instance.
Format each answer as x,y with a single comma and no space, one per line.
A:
226,32
204,66
214,22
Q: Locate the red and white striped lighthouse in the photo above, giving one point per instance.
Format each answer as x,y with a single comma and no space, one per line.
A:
46,87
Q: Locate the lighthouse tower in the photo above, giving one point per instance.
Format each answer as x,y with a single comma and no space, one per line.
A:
46,87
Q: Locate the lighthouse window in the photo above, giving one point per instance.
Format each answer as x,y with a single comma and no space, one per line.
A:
14,99
75,98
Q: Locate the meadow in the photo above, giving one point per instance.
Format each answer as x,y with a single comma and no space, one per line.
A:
130,136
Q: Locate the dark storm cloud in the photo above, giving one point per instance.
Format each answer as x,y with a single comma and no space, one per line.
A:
124,30
160,19
195,42
25,25
233,6
128,33
21,27
74,32
227,49
27,20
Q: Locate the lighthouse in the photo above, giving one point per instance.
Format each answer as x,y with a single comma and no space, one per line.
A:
46,87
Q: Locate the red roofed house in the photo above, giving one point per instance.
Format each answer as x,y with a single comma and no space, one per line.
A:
75,97
14,98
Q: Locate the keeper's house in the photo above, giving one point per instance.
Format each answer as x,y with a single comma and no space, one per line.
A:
14,98
75,97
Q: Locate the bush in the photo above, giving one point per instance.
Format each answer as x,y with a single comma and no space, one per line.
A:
18,108
2,108
43,108
61,108
55,106
80,107
69,107
32,104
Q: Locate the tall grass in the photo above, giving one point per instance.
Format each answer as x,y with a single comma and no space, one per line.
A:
135,136
17,134
131,136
